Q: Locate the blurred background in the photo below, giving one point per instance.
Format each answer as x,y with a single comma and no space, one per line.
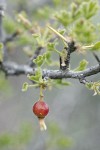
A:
74,119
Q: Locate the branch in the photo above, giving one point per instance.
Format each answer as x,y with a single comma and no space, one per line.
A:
2,37
65,57
11,68
36,54
57,74
11,37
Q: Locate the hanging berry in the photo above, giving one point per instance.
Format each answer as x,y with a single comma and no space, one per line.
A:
41,109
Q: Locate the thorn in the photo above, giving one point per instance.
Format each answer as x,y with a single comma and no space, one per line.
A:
56,32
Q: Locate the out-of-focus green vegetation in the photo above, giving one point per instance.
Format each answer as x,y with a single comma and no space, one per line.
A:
4,84
16,140
57,139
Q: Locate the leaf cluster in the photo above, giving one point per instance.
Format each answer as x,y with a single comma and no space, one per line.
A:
95,86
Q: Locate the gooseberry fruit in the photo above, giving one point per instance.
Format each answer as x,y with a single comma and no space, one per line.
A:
41,109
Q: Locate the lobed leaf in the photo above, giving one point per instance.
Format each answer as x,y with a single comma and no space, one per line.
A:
50,46
96,46
39,60
25,87
89,9
82,65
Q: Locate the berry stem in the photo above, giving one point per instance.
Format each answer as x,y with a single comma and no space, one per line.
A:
41,93
42,124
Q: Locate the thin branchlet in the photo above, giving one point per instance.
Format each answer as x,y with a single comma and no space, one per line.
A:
35,55
96,57
11,37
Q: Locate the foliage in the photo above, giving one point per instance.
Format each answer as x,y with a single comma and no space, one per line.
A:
76,21
16,140
83,30
95,86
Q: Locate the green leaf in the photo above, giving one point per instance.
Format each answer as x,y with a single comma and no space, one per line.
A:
51,46
82,65
42,58
47,55
89,9
39,60
1,52
33,78
96,46
37,77
44,13
25,87
95,86
61,31
62,82
89,85
75,10
84,31
64,17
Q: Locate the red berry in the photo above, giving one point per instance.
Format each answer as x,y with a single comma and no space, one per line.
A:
40,109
